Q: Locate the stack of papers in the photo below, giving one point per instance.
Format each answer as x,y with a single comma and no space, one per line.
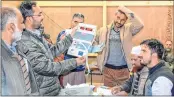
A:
103,91
82,89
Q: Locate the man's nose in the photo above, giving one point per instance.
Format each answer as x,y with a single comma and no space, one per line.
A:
119,21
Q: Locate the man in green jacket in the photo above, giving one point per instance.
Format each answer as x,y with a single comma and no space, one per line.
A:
40,54
169,58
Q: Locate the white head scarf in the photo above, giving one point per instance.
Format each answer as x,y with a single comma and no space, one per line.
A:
136,50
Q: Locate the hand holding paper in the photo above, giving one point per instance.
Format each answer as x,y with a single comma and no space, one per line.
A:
74,31
80,60
115,90
97,48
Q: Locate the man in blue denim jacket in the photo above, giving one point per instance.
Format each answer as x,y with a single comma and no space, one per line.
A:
77,75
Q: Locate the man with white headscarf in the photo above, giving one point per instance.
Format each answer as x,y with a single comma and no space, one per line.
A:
134,86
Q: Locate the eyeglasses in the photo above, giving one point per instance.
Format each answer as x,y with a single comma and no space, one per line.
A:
39,15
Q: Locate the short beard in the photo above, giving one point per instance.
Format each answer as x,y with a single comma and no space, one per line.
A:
145,64
35,26
142,64
148,63
168,50
16,32
116,26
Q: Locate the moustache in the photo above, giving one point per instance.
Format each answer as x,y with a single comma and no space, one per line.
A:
140,57
118,23
142,64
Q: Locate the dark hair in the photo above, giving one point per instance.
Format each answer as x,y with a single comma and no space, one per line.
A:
26,8
79,15
155,47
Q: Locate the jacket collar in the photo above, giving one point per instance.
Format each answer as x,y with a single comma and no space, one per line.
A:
159,65
30,33
112,25
10,52
121,30
35,32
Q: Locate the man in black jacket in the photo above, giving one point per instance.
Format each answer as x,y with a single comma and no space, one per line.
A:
161,79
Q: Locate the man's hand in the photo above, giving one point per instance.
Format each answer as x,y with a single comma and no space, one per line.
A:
123,9
80,60
115,90
73,31
62,37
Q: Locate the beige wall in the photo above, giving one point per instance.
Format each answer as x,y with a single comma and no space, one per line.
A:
155,18
11,3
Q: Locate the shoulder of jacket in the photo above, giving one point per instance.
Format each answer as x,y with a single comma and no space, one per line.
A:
104,29
127,25
25,44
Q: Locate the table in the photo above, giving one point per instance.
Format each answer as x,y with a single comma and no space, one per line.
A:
94,68
102,91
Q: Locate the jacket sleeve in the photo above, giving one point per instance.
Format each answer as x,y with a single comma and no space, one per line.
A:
96,40
40,63
61,46
3,80
99,34
134,22
59,35
127,85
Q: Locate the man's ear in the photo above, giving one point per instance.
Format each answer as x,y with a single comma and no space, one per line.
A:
154,55
11,27
29,19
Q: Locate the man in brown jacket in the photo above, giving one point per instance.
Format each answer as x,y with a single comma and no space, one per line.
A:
114,60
